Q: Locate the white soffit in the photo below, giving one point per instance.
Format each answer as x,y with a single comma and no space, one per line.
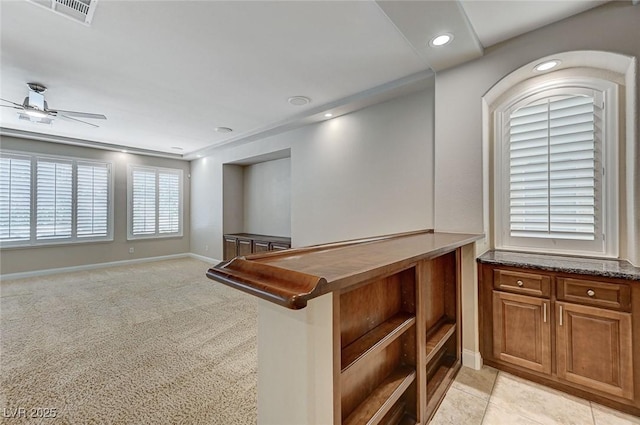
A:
420,21
497,21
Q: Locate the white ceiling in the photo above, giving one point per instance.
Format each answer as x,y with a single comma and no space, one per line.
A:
166,73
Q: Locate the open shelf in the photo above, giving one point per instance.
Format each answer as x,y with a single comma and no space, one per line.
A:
439,380
407,420
439,337
398,415
374,409
376,339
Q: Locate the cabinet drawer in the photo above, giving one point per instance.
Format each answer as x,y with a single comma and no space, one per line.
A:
600,294
522,283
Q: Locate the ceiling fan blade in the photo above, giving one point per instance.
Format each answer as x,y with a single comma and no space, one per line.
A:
13,103
79,114
12,107
75,119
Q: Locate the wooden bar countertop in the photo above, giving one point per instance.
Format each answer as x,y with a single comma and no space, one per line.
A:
290,278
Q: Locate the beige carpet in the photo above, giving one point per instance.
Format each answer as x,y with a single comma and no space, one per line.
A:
155,343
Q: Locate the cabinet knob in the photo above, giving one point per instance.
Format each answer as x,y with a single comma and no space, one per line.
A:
591,292
520,283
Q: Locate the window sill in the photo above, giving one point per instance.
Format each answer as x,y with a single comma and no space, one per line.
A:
142,238
12,246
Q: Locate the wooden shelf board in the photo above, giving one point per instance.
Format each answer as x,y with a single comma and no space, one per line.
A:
438,338
381,400
376,339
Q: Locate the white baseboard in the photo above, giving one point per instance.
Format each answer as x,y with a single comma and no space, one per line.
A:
22,275
472,359
203,258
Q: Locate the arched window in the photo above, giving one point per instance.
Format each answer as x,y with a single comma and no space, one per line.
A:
555,166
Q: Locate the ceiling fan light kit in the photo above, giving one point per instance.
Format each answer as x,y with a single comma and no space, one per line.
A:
35,108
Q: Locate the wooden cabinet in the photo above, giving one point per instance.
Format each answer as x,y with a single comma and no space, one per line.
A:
566,330
243,244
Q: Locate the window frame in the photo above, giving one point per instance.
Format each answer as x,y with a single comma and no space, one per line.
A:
543,87
157,170
33,241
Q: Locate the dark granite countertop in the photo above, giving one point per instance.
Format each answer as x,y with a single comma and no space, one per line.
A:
558,263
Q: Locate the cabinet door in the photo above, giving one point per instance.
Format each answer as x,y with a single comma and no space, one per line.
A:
522,331
276,246
230,248
260,246
594,348
245,247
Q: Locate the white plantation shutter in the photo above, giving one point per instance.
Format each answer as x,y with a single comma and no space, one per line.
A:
54,199
144,202
553,169
155,202
45,200
92,208
15,198
168,203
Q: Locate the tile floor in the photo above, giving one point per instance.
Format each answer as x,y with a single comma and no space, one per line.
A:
490,397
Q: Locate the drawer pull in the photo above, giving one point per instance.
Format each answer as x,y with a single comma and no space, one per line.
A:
520,283
591,293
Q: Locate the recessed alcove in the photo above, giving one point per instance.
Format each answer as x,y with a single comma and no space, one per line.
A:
257,195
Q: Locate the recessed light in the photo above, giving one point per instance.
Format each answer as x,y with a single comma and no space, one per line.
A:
199,156
223,129
328,115
123,151
441,40
299,100
545,66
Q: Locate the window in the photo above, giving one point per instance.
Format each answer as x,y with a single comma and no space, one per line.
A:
556,182
15,198
155,202
53,200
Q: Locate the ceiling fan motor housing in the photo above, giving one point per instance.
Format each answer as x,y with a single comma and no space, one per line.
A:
35,100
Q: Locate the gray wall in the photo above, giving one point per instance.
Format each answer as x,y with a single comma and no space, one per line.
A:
40,258
362,174
267,198
459,193
233,201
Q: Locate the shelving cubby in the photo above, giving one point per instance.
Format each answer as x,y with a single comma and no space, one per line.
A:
378,351
441,307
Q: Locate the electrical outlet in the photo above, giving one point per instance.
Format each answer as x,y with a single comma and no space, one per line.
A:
131,250
206,247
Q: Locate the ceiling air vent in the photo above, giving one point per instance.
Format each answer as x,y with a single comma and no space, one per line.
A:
78,10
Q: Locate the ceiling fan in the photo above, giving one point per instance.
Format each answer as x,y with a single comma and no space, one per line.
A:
34,107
